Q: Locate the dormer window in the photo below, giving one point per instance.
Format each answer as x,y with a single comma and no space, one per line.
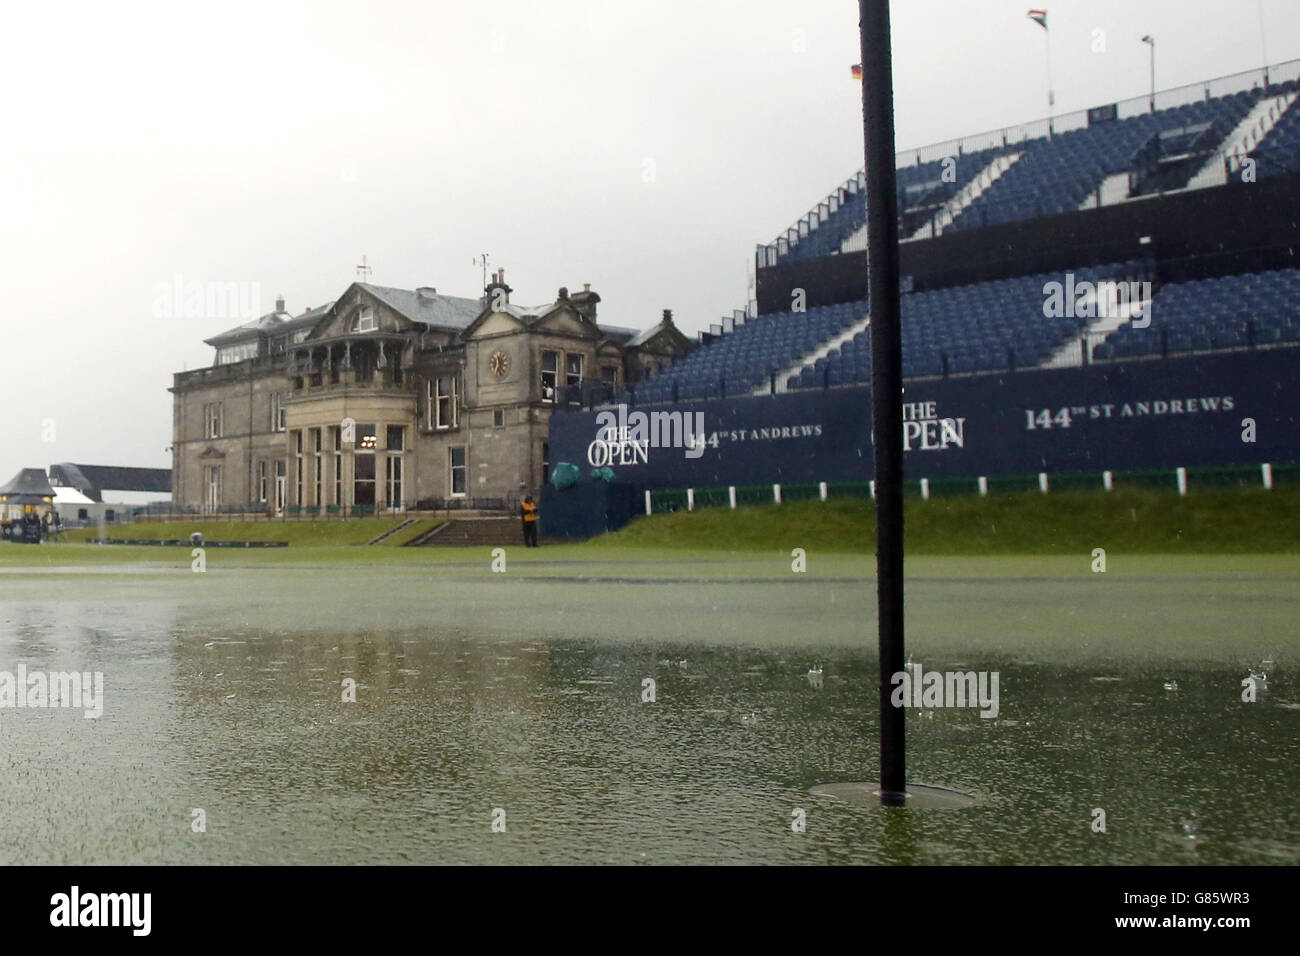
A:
365,320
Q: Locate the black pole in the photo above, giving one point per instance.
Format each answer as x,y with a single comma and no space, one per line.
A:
886,379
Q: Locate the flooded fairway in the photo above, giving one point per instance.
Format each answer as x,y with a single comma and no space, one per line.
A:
523,697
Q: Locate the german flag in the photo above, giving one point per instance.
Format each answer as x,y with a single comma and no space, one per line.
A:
856,70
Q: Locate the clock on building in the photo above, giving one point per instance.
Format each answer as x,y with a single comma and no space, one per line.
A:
499,363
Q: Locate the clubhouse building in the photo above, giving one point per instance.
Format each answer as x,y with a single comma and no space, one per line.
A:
390,400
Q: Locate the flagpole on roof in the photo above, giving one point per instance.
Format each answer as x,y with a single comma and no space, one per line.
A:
1040,17
1150,41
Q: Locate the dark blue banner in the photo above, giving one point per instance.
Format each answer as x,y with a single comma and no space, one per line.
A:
1235,408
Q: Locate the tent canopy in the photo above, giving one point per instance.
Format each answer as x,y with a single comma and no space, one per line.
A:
70,496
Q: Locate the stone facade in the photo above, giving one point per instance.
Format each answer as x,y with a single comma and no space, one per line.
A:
394,399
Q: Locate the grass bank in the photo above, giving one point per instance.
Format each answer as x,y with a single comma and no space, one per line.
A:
298,533
1135,521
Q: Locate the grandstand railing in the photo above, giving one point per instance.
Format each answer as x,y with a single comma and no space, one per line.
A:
1263,79
1263,476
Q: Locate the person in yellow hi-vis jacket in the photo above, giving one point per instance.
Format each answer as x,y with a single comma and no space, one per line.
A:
528,512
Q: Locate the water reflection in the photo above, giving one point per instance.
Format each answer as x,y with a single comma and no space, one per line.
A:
242,714
556,731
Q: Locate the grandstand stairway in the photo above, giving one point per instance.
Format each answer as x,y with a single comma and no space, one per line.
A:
969,193
809,359
953,208
1096,332
1248,134
473,532
1113,189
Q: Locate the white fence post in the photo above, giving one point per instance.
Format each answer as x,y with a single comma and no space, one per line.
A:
1267,471
1108,481
776,493
821,488
1042,482
925,489
984,486
1181,474
690,499
647,502
731,496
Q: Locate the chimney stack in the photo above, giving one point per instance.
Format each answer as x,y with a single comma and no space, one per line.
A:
498,282
279,304
585,302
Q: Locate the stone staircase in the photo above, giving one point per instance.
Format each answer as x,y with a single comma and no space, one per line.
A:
491,532
392,531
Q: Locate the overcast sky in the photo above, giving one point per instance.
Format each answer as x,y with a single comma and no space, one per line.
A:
645,148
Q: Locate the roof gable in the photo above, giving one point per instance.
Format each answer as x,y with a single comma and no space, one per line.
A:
28,481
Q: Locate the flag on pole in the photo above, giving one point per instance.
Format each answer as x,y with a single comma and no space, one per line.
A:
856,70
1039,17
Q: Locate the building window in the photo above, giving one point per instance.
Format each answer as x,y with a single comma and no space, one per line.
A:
236,353
261,482
277,412
609,374
212,484
365,320
363,478
498,417
572,369
550,374
444,401
394,481
395,438
459,472
363,467
317,473
280,482
212,420
83,514
336,445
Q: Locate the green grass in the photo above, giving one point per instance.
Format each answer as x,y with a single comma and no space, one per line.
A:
1129,520
297,533
1132,520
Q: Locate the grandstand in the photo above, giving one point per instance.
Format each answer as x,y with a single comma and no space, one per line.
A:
1196,136
989,221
